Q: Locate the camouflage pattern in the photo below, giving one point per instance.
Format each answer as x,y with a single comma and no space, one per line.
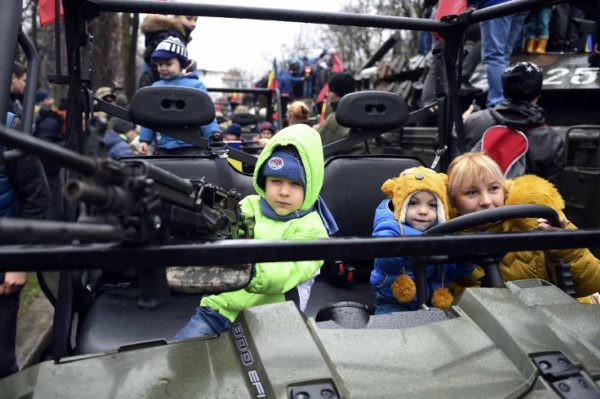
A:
208,280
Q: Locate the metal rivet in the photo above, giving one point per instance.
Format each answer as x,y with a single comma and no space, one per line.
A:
419,177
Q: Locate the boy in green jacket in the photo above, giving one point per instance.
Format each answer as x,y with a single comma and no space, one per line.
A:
288,177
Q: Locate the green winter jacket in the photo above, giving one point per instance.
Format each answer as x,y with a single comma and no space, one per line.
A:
274,279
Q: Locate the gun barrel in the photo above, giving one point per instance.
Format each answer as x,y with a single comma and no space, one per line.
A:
48,151
14,230
159,175
112,198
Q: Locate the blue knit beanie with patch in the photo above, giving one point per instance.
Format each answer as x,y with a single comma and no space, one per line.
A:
284,162
171,47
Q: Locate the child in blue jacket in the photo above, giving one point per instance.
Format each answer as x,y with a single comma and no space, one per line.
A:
417,201
171,57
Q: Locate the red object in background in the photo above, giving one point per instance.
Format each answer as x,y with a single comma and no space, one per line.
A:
337,63
504,145
449,7
47,11
323,94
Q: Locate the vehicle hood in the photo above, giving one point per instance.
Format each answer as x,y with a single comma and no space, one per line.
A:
483,349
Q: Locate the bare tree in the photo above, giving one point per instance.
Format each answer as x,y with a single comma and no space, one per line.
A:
356,45
129,37
106,50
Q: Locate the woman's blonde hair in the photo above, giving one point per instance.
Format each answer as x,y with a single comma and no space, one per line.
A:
298,112
469,169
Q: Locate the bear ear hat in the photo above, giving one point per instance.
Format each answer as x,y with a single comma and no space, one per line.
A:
388,187
444,177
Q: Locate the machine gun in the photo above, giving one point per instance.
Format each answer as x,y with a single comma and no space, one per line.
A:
133,203
130,201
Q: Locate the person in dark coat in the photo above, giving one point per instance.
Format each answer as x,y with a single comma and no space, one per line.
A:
330,130
522,85
18,79
49,126
24,193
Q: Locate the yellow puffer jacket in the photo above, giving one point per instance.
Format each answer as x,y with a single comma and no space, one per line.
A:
585,268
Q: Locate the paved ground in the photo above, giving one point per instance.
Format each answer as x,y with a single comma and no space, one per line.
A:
34,331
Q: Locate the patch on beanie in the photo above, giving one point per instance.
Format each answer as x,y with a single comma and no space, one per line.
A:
276,163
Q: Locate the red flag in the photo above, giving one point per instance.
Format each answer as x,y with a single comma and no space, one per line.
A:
449,7
47,11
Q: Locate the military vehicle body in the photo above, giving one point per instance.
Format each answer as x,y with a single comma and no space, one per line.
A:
519,339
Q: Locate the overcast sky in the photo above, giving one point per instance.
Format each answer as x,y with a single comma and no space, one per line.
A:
225,43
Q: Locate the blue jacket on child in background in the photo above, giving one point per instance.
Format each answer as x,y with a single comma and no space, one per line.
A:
166,142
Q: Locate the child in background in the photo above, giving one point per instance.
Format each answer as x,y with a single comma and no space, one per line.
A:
171,57
417,201
287,178
297,112
265,133
233,132
538,30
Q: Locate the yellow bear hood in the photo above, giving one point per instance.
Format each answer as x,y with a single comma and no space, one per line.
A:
400,189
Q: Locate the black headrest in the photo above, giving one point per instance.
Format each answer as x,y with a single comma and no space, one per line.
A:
171,106
372,110
352,189
244,119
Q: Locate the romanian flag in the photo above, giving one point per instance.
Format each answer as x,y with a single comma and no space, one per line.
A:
272,80
47,12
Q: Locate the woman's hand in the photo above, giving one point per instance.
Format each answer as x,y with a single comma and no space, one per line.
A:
545,226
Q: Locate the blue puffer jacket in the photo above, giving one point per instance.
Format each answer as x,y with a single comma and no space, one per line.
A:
116,147
386,270
9,206
166,142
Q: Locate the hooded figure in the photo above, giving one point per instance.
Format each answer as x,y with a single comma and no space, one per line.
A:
296,155
392,279
522,84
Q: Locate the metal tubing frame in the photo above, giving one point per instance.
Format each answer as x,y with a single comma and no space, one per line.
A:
228,252
317,17
33,66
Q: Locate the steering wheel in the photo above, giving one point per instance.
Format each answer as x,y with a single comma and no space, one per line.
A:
478,218
471,220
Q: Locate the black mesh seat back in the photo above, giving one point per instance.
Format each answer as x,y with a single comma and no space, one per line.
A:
352,189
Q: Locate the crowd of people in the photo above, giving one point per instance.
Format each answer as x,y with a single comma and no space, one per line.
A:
289,173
